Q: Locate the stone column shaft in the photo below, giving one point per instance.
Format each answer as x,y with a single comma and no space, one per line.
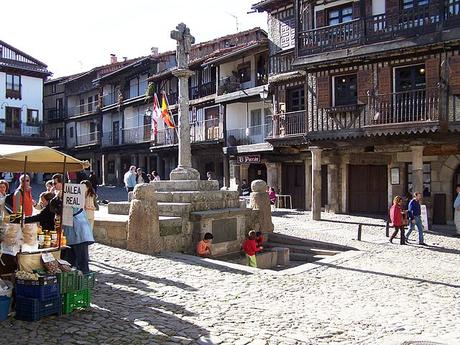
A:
308,191
333,187
272,176
244,172
316,183
417,168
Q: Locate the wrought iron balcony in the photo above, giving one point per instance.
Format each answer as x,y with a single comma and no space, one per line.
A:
249,135
202,90
92,138
55,114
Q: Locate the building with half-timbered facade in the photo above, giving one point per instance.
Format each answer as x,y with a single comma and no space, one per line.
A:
366,102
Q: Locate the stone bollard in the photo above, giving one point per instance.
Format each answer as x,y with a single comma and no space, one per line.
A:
261,202
143,221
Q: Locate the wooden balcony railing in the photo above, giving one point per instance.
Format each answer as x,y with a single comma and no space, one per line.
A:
408,108
281,63
379,28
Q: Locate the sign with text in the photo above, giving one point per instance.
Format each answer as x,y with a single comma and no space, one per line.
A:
248,159
74,195
424,216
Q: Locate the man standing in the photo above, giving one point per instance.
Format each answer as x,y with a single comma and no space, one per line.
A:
130,179
415,218
457,209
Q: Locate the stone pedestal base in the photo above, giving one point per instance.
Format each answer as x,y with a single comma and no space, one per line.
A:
183,173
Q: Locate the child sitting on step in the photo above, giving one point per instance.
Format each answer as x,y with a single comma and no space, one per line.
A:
250,248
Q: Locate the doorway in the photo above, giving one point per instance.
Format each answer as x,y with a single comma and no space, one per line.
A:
257,172
294,184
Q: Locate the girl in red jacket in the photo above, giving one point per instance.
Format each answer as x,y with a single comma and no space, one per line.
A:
396,217
250,248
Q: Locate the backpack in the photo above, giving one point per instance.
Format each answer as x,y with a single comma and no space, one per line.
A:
9,203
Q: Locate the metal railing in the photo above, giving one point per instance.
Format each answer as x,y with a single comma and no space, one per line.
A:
56,142
249,135
228,85
84,109
55,114
137,135
202,90
205,130
88,139
166,136
406,23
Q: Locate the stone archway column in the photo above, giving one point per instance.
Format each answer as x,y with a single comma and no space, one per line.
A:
333,187
272,175
316,183
417,168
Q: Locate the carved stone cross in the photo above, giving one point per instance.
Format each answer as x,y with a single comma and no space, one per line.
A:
184,44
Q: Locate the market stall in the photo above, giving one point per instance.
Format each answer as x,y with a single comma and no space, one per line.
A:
44,284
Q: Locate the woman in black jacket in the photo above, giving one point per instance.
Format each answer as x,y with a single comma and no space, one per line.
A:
46,216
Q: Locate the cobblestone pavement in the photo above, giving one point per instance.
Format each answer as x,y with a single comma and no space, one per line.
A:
383,294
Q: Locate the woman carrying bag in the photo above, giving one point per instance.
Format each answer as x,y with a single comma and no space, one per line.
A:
396,217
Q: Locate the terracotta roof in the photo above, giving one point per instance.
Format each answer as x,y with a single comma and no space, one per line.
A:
270,5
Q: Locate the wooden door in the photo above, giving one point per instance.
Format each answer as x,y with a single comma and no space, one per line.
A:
294,184
368,189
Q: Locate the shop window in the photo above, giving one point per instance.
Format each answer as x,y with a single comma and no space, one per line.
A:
426,179
338,15
296,99
345,90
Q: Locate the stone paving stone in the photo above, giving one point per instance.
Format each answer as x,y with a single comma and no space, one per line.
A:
386,292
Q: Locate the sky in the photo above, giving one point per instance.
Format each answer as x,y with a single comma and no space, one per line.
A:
71,36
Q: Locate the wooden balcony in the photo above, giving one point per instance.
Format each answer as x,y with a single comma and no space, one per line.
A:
433,18
399,111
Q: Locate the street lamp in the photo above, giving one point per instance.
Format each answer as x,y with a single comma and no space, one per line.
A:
148,112
263,94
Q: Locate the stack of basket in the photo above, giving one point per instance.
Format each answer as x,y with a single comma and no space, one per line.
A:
75,289
36,299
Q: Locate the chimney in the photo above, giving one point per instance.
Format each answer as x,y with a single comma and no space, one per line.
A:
154,51
113,58
125,58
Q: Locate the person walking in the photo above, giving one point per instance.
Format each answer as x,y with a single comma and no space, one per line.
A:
130,179
457,210
8,177
396,217
415,218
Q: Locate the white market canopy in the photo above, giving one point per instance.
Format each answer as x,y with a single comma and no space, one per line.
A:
39,159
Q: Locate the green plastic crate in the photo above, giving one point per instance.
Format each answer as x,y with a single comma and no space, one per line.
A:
76,300
68,281
86,281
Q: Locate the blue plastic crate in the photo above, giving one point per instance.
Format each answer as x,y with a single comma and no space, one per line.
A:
42,292
4,307
32,309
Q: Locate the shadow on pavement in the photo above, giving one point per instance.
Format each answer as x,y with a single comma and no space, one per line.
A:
319,263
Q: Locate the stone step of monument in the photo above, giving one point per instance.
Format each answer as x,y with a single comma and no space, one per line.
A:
302,249
174,209
196,196
186,185
285,240
170,225
119,207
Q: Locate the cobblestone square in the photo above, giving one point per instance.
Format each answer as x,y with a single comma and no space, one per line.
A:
379,294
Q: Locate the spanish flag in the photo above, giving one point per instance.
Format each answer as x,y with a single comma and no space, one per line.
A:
165,114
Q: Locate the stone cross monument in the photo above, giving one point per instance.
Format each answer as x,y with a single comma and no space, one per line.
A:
184,170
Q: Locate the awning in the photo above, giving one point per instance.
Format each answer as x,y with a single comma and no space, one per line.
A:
39,159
